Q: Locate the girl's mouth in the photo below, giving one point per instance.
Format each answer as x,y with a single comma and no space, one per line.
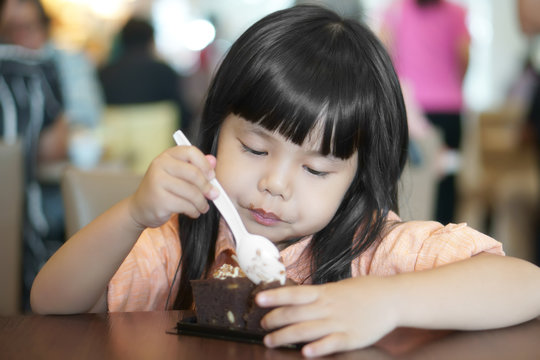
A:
264,218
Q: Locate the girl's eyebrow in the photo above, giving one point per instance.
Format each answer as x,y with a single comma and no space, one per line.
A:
331,158
262,132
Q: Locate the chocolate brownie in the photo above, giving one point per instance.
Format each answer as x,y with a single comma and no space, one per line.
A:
222,302
228,300
254,313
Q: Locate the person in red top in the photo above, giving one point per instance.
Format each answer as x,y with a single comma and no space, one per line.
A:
305,128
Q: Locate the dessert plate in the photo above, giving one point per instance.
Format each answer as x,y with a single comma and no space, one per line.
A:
188,326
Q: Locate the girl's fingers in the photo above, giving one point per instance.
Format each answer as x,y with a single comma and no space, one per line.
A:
332,316
193,174
158,208
168,171
329,344
323,337
194,156
187,208
177,181
186,192
298,333
286,315
289,295
211,159
171,192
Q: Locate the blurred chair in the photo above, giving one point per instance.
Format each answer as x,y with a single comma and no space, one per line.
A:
88,193
505,186
510,176
136,134
11,217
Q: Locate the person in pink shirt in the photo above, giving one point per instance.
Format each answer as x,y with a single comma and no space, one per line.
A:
429,44
305,128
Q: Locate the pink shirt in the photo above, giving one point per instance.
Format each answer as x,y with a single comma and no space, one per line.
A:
424,42
145,278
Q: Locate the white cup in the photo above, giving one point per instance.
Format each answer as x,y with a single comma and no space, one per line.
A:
85,149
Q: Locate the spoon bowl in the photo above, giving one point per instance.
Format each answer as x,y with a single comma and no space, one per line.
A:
257,256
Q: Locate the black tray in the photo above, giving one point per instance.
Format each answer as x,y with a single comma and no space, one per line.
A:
188,326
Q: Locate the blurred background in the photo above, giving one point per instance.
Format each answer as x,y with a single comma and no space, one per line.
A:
127,73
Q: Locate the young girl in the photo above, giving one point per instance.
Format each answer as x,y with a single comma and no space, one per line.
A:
305,128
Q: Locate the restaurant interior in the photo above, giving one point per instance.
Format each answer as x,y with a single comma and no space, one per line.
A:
109,144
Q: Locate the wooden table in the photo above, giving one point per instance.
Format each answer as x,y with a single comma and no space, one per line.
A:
142,335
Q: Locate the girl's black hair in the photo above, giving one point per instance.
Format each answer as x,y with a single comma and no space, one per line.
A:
291,71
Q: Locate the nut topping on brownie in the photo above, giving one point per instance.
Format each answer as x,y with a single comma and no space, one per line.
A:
227,270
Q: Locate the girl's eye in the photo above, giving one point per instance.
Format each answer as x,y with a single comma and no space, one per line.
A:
253,151
315,172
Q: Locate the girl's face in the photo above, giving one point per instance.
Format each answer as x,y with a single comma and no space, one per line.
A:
281,190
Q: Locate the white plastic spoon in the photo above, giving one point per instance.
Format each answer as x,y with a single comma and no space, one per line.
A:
257,256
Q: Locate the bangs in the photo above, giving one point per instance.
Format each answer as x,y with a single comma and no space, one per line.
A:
298,88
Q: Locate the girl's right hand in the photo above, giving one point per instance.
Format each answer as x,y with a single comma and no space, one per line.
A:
177,181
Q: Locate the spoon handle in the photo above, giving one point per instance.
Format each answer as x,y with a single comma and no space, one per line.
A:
222,202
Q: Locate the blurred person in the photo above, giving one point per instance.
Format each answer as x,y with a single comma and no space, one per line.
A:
138,76
429,43
529,16
29,27
31,111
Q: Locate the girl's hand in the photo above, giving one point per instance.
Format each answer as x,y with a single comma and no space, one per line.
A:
177,181
333,317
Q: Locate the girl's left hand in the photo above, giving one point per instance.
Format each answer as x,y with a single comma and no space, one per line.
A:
333,317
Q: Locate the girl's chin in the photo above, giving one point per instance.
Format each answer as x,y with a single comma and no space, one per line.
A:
272,233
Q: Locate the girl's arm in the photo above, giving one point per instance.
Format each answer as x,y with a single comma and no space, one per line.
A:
486,291
75,278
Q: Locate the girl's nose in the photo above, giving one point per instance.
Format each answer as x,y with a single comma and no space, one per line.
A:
277,182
